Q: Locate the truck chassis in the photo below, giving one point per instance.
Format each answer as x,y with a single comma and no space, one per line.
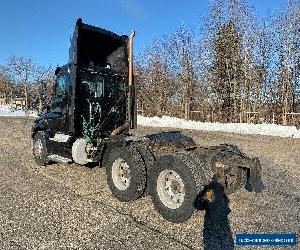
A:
89,118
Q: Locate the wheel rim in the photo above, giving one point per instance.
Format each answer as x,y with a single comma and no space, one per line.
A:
170,189
121,174
38,148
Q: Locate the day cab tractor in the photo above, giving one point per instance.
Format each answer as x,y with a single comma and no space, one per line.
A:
91,115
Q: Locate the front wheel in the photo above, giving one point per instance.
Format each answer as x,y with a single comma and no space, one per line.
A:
39,149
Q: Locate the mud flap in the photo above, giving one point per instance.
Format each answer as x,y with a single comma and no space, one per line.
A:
254,182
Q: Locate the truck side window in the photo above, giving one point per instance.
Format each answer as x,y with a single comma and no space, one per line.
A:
60,88
94,87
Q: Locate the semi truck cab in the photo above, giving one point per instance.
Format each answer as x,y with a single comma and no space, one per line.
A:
93,93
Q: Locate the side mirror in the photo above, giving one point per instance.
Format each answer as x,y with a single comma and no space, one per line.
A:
42,90
58,102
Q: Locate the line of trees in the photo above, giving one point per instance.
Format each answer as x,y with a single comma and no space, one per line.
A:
236,65
20,78
231,68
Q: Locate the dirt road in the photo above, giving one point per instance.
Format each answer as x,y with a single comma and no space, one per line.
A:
70,206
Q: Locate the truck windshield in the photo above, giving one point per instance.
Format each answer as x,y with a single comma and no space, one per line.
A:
60,86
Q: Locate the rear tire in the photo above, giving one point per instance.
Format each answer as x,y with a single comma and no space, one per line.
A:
149,160
126,173
173,187
39,149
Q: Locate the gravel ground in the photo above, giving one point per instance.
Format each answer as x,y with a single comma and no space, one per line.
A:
70,206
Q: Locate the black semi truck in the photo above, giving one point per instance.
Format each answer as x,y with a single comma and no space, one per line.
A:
91,115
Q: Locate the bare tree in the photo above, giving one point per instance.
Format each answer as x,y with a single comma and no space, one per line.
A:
227,68
44,77
23,71
235,67
6,83
183,63
155,80
228,44
286,54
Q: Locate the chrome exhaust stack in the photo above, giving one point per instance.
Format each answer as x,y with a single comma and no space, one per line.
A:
132,112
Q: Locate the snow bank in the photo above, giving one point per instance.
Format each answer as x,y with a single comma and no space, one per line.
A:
173,122
240,128
7,111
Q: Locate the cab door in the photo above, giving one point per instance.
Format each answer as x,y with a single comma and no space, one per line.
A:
58,143
59,105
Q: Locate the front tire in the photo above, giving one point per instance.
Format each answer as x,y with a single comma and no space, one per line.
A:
40,149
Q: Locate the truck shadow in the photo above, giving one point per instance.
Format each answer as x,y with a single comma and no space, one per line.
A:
216,229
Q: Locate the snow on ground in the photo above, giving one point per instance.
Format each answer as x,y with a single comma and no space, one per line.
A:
173,122
240,128
7,111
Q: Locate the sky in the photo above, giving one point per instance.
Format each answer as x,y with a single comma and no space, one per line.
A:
41,29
